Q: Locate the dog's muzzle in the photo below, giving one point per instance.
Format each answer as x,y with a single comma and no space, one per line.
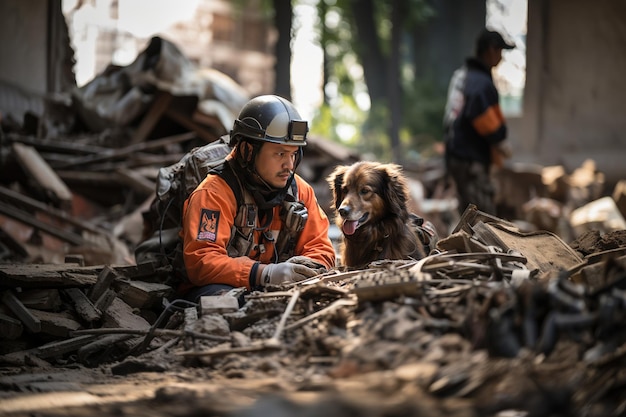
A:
348,227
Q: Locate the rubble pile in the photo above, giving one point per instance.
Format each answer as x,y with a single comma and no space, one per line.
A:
478,327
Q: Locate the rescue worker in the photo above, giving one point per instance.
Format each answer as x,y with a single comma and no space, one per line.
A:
474,127
255,222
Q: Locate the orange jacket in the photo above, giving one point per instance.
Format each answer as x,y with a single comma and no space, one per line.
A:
208,217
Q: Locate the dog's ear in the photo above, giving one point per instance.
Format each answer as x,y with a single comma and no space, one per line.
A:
397,192
335,179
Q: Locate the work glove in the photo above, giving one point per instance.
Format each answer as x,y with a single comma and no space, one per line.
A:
306,261
286,273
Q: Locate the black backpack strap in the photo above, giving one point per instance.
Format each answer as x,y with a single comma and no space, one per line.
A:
246,219
225,171
294,215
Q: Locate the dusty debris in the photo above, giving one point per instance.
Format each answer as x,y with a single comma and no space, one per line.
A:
474,327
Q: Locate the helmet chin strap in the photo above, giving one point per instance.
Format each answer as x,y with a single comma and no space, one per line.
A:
260,179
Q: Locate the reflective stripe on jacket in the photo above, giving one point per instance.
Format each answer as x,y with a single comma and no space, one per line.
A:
207,226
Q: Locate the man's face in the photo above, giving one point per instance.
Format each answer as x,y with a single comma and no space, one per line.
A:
494,56
275,163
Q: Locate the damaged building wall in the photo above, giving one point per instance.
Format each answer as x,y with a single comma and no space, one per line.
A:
575,85
37,60
24,44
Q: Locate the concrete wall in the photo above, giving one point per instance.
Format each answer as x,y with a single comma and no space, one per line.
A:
575,86
24,44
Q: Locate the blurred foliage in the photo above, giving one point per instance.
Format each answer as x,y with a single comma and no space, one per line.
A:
423,106
422,102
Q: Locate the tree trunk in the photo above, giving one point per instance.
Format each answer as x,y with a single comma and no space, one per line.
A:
395,92
323,9
283,18
372,58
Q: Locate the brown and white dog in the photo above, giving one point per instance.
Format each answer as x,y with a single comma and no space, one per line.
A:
370,202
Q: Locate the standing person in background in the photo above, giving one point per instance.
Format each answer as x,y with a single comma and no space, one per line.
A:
253,221
474,127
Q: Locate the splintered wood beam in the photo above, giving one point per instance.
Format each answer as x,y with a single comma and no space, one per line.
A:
39,170
128,150
23,200
28,219
157,110
10,328
187,122
136,181
46,276
105,278
60,348
15,305
56,145
83,305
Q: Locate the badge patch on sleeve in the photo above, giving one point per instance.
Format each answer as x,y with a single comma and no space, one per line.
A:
207,230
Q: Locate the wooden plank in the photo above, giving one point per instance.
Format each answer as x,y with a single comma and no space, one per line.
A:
211,121
31,322
120,314
39,170
140,294
135,160
55,145
46,276
10,328
56,324
28,219
144,270
75,258
8,244
47,299
57,349
105,300
154,114
151,160
136,181
97,179
128,150
83,305
105,278
186,121
22,200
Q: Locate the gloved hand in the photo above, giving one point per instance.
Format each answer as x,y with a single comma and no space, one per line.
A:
306,261
286,273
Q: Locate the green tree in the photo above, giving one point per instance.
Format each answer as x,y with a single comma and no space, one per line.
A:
396,56
405,51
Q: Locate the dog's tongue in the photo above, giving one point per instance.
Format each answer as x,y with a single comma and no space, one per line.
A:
349,226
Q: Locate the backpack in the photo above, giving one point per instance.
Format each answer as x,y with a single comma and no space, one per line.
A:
163,220
175,182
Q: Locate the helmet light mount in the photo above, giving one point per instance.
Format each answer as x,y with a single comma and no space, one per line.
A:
298,130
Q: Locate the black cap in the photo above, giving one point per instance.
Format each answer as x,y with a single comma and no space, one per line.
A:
489,38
